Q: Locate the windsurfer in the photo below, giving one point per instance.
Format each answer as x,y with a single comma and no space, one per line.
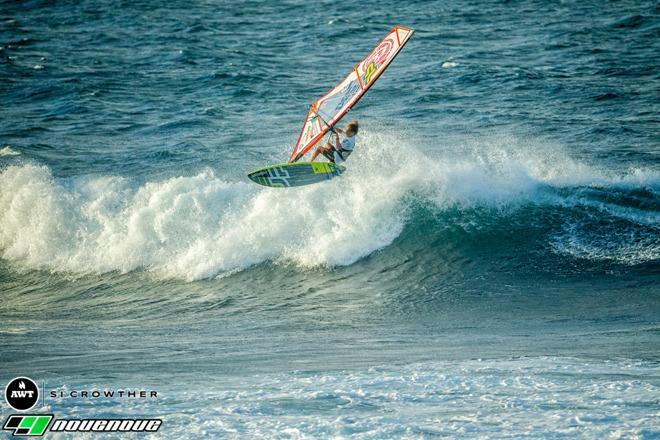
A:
340,151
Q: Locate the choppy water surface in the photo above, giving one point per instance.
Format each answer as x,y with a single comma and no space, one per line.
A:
498,279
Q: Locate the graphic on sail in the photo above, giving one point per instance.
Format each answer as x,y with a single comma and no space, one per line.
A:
331,107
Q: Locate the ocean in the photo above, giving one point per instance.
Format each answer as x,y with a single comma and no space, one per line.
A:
487,267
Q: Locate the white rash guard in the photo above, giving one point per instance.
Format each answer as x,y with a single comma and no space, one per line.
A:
347,146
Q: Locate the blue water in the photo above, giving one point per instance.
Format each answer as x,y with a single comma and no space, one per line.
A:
498,279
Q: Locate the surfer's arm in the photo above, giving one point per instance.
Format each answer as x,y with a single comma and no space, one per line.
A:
337,143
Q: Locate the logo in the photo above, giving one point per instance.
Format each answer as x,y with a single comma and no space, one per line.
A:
106,425
371,69
29,424
278,177
38,424
22,393
379,54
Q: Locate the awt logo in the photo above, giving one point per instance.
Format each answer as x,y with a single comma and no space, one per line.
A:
22,393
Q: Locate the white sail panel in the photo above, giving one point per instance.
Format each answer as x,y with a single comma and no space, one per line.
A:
311,133
339,99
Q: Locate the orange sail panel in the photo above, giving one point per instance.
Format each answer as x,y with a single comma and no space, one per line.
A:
331,107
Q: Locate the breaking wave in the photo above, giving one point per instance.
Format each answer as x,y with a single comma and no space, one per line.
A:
201,226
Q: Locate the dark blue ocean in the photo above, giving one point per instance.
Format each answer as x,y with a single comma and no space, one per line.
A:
487,267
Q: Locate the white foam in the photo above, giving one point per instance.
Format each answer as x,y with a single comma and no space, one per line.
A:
585,240
8,151
498,398
201,226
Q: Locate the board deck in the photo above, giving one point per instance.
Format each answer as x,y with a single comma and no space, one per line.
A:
295,174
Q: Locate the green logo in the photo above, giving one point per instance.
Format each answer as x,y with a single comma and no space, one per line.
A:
28,424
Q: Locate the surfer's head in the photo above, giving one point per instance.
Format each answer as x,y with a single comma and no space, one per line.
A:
351,128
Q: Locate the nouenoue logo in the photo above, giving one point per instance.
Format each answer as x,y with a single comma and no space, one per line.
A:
28,424
37,424
22,393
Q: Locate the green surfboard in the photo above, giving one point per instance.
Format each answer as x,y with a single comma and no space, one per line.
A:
295,174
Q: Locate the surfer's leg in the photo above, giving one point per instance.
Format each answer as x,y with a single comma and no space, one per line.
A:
316,153
321,150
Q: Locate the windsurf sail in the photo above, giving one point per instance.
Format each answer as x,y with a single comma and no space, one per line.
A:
331,107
